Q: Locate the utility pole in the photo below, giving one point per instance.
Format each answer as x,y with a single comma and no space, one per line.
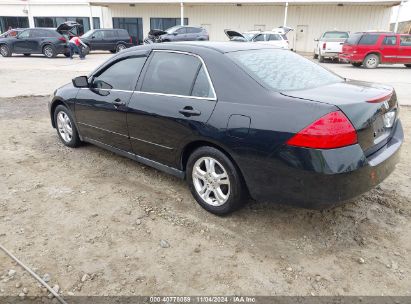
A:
285,14
181,13
398,15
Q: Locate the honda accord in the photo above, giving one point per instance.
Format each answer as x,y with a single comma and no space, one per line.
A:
236,120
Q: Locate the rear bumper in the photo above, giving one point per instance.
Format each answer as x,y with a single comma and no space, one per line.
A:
318,179
330,54
351,57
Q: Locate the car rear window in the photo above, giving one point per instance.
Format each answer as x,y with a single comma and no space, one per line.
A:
335,35
368,39
405,40
354,38
282,70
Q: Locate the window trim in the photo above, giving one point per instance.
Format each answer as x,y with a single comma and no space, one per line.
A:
214,98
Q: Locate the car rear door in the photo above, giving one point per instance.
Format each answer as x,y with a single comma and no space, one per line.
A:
389,49
172,100
101,109
404,51
110,40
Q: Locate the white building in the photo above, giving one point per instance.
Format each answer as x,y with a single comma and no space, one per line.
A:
308,18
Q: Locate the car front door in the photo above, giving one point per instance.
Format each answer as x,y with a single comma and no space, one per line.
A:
97,41
175,97
101,109
389,49
404,52
20,44
180,34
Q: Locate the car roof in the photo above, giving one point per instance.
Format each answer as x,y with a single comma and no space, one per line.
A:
221,47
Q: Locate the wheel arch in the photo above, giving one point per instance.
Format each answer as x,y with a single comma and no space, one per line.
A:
374,53
55,103
189,148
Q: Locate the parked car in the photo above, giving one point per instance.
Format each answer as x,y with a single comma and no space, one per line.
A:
240,119
329,45
34,41
113,40
369,49
177,33
267,37
11,33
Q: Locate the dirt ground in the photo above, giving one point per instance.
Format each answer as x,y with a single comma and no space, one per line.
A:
100,224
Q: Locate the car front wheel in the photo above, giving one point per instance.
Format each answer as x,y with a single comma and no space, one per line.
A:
5,51
49,51
214,181
371,61
66,129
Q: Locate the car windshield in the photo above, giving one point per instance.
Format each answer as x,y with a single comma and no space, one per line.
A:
281,70
172,29
336,35
87,34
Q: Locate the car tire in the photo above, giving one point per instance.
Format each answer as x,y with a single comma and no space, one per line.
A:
49,51
5,50
315,56
112,51
356,64
65,126
218,195
408,65
320,57
120,47
67,55
27,54
371,61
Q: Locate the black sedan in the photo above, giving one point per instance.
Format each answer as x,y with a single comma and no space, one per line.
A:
236,120
44,41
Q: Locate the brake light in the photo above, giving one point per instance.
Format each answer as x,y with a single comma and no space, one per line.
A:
324,45
62,39
131,40
333,130
381,98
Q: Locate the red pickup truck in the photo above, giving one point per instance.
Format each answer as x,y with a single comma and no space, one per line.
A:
372,48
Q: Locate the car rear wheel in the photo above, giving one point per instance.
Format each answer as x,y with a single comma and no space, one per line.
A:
320,57
356,64
214,181
49,51
112,51
66,129
27,54
120,47
371,61
67,55
315,56
5,51
408,65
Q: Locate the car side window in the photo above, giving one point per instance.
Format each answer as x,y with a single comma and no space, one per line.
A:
193,30
202,86
176,74
274,37
98,35
369,39
120,75
390,40
24,34
182,30
405,40
108,34
259,37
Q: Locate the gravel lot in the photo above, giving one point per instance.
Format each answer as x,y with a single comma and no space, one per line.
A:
100,224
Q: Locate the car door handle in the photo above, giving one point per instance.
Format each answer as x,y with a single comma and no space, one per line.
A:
189,111
118,102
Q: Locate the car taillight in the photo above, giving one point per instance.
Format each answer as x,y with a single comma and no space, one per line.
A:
131,40
62,39
324,45
333,130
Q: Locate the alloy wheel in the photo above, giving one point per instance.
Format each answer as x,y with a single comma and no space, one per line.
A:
64,126
48,51
121,47
371,62
211,181
3,50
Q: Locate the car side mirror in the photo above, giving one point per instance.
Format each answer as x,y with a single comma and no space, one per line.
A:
80,82
92,37
175,33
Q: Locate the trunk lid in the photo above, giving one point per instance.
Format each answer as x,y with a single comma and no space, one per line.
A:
231,34
365,104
